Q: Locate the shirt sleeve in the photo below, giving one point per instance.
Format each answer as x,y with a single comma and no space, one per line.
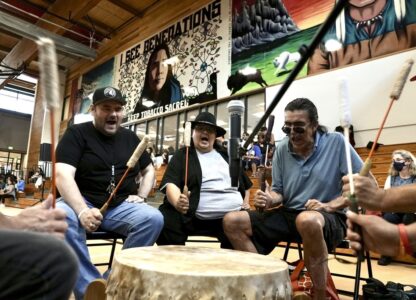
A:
277,180
173,172
144,160
70,147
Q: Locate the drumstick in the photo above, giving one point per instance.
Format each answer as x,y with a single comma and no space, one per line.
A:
187,142
395,95
268,137
345,119
130,165
50,94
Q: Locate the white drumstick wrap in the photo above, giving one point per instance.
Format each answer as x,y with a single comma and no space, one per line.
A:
138,152
345,119
401,79
49,79
187,134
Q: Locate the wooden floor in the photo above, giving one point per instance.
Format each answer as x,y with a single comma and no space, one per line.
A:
397,272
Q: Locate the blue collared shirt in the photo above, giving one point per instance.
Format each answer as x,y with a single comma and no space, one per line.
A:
316,177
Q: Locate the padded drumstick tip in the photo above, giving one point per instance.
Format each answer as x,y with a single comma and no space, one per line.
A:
49,79
138,152
344,104
401,79
187,134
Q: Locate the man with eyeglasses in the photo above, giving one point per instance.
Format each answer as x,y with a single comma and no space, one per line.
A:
210,197
306,192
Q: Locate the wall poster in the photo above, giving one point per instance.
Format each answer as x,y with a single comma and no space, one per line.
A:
266,36
178,66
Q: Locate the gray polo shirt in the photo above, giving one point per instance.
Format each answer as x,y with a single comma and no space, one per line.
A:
316,177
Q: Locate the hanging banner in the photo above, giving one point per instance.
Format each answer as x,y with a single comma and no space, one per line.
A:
178,66
266,37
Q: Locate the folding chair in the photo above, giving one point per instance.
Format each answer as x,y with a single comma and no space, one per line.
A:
110,239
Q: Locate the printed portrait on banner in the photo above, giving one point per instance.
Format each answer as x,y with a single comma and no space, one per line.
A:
267,34
178,66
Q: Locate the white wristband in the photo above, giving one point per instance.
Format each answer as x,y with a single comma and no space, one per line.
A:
81,212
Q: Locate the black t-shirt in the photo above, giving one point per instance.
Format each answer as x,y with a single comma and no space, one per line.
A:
94,154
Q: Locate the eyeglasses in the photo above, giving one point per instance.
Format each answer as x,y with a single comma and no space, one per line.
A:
298,129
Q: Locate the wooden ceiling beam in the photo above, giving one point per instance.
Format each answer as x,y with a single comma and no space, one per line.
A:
26,50
127,8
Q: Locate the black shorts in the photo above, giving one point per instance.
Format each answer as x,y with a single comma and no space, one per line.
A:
274,226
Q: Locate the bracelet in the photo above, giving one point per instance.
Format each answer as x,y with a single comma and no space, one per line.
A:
404,239
81,212
143,198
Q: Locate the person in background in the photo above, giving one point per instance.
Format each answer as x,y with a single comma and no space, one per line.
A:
210,196
253,158
402,171
37,178
20,185
91,159
2,182
9,191
35,262
340,129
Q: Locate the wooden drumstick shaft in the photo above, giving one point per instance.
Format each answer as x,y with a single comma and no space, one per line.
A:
50,94
262,179
131,163
187,142
394,95
345,120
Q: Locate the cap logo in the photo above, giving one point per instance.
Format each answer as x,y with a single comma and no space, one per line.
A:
109,92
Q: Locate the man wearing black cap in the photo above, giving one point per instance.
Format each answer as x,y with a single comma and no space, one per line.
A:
91,159
210,196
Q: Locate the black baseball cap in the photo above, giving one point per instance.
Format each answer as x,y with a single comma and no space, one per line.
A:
107,94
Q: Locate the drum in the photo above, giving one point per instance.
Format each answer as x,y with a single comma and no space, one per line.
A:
196,273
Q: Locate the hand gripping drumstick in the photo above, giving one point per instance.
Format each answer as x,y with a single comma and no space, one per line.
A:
130,165
395,95
262,171
50,93
187,142
345,119
268,137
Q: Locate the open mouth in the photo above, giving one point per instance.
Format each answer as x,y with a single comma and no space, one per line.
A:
111,122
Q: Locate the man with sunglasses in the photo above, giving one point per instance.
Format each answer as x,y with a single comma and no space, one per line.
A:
210,196
306,192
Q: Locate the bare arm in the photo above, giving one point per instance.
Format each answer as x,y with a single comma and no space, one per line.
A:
147,182
395,199
65,182
378,234
177,199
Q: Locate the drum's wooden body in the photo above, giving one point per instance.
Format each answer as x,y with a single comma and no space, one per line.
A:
194,273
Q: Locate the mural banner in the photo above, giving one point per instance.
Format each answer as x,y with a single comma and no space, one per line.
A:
178,66
266,36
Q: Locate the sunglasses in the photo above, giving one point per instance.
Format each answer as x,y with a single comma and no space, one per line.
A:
297,129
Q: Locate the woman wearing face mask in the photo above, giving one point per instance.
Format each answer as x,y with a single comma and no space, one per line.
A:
402,171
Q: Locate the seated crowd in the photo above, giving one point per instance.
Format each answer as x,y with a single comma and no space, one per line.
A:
305,202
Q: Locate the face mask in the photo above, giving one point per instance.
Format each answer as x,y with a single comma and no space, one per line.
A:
398,166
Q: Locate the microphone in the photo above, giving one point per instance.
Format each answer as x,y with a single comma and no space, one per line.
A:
235,110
